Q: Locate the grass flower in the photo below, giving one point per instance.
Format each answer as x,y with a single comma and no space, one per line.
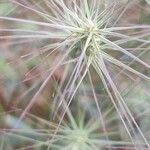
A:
89,37
76,132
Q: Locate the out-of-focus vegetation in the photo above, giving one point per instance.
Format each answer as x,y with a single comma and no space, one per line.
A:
91,121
